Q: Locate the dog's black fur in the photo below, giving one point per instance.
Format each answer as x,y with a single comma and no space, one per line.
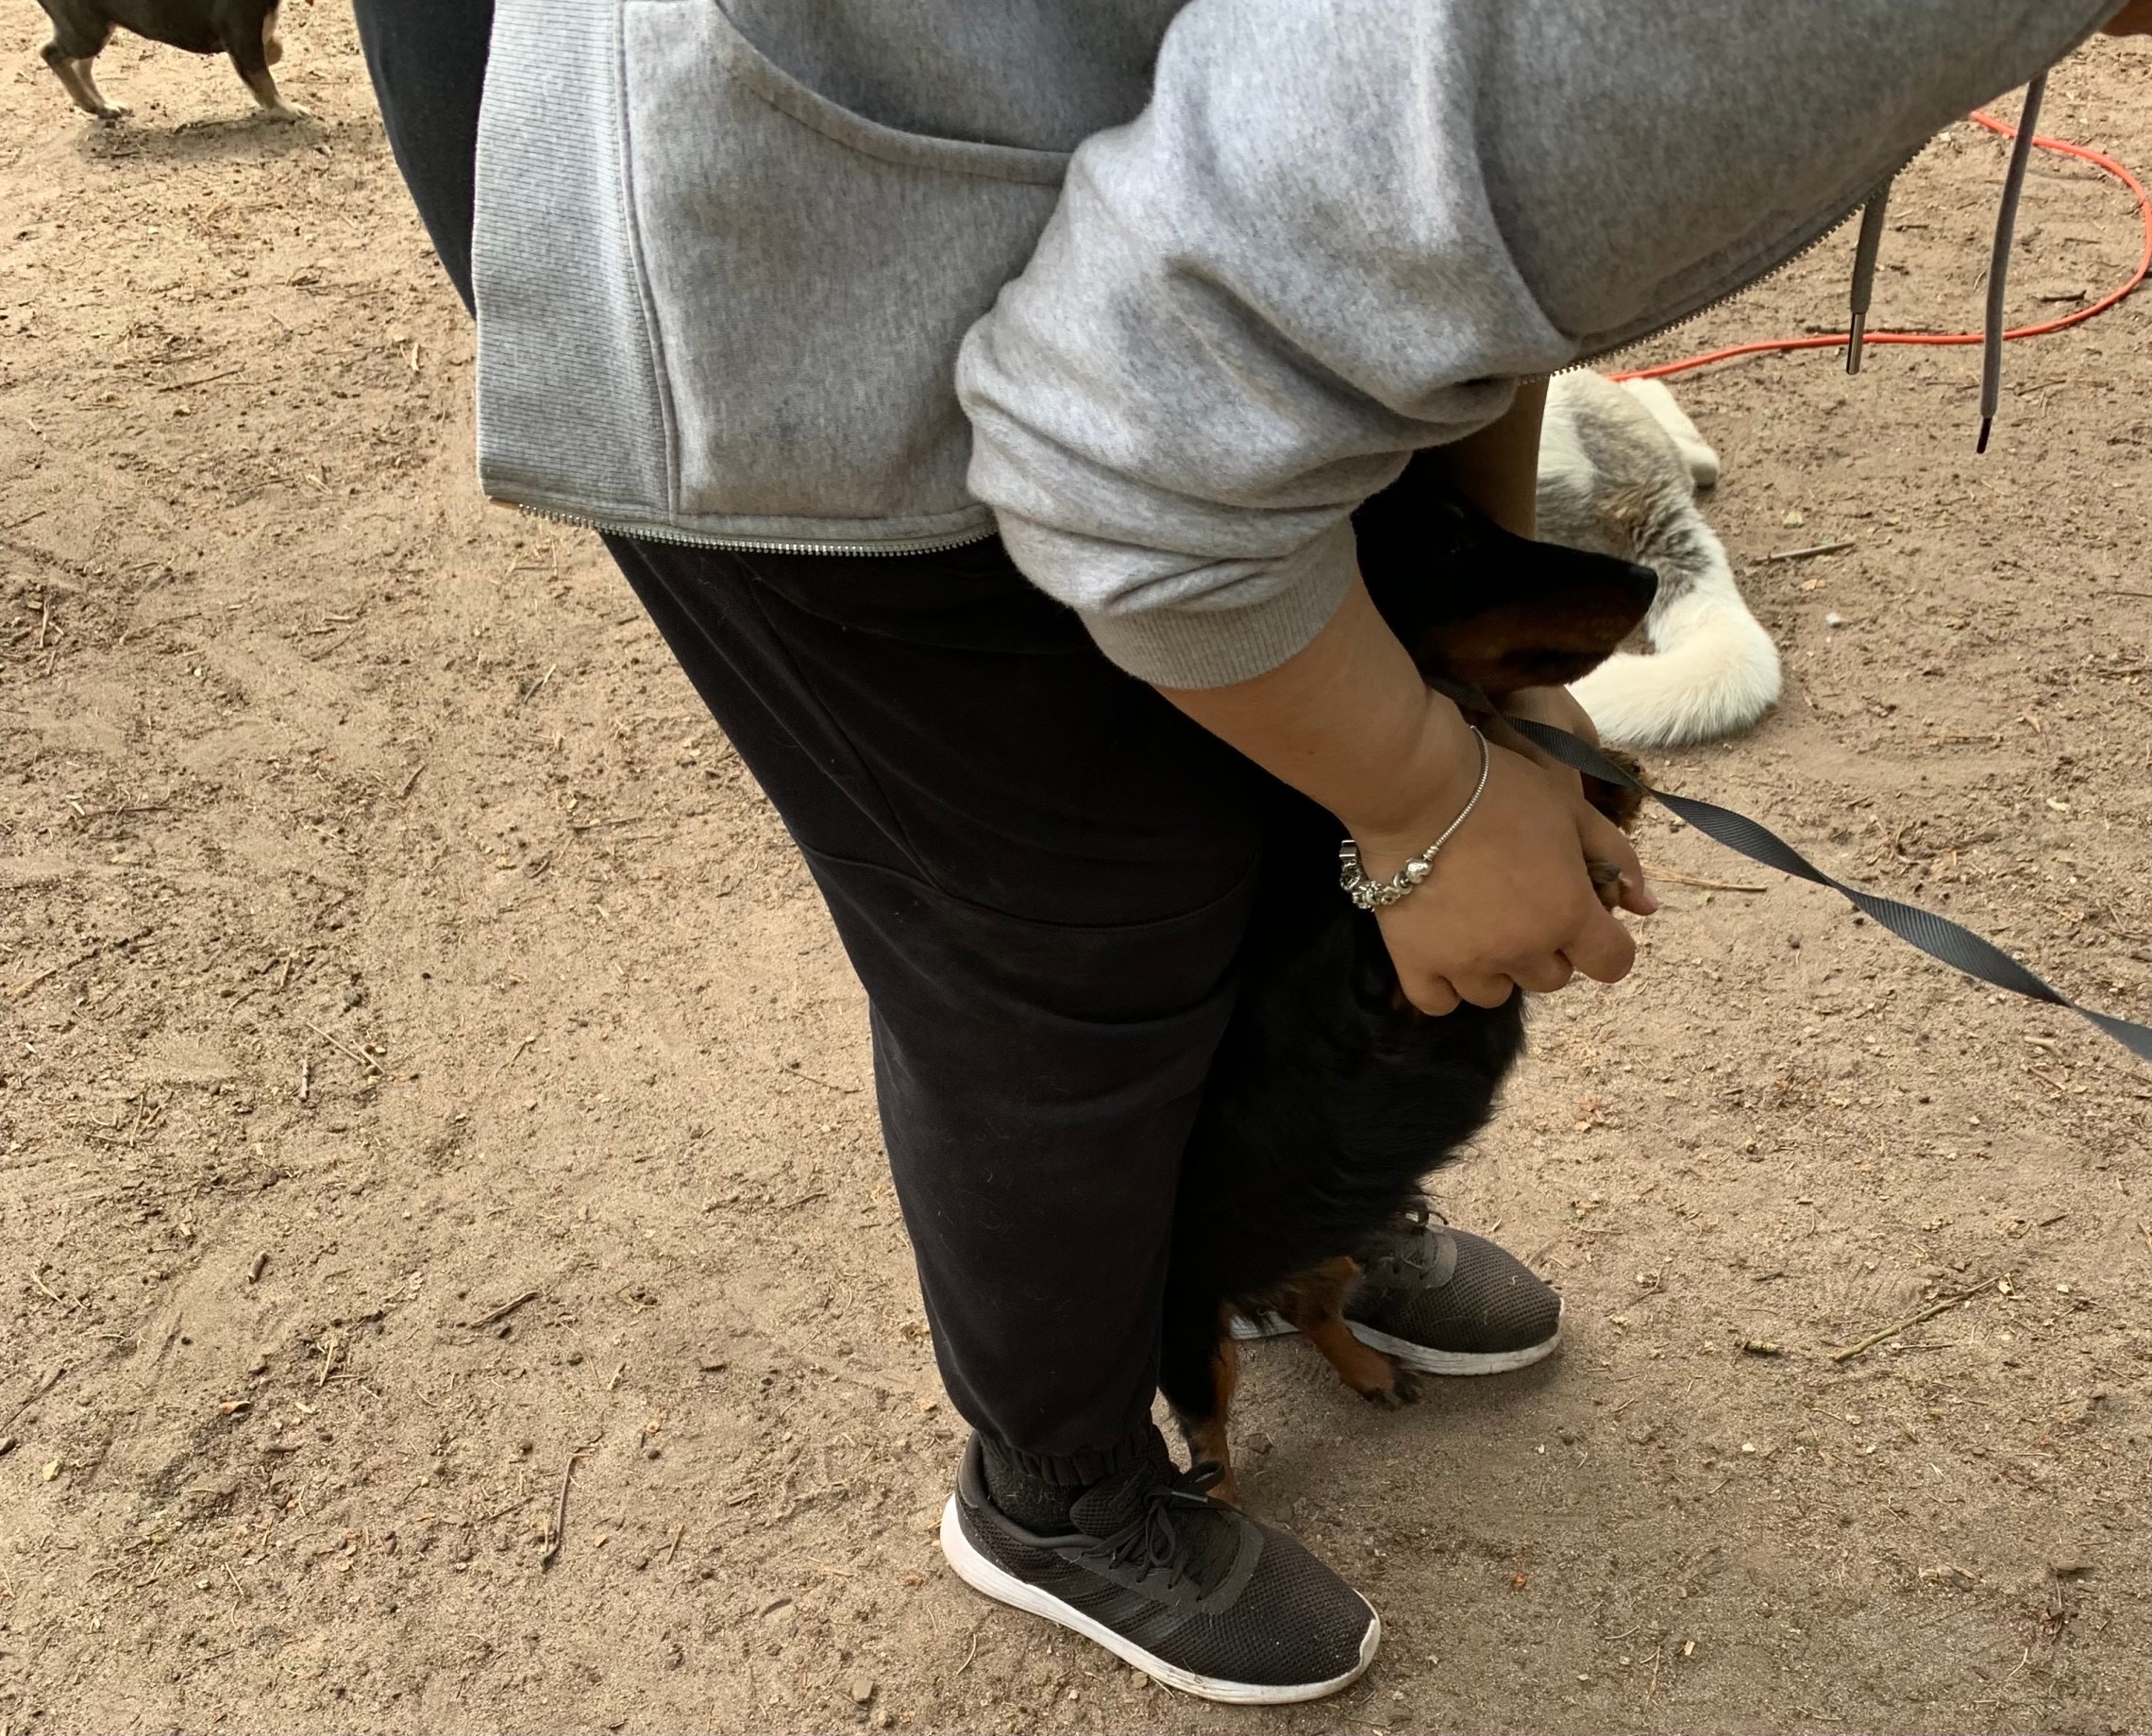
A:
1330,1098
245,29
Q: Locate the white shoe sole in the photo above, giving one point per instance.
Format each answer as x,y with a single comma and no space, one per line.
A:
983,1576
1417,1357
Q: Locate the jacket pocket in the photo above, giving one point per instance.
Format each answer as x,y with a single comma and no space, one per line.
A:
810,275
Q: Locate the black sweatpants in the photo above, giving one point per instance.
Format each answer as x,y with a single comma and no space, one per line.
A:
1042,873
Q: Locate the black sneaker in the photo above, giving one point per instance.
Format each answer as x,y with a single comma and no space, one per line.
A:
1443,1301
1190,1592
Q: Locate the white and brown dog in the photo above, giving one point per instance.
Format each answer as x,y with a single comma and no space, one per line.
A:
245,29
1620,467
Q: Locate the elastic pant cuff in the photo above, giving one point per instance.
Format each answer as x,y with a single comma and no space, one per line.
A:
1074,1471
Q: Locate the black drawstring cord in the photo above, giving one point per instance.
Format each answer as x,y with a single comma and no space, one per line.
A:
1999,259
1864,252
1871,243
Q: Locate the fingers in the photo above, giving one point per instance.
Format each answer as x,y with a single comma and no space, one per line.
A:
1488,991
1520,907
1638,899
1432,995
1603,841
1437,996
1599,948
1543,976
1602,950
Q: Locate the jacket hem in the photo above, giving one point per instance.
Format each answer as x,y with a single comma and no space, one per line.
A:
910,533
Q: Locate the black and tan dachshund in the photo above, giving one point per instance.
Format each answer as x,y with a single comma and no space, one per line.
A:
245,29
1331,1097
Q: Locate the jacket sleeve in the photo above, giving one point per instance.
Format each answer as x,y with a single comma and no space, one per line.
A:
1252,304
1344,227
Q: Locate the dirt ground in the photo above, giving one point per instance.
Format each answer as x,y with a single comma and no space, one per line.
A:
424,1070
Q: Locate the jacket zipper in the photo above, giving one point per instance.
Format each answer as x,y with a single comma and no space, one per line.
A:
749,545
1713,305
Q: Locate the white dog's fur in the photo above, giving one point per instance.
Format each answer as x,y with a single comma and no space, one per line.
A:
1619,471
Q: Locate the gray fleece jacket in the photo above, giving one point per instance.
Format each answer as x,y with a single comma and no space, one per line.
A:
1158,289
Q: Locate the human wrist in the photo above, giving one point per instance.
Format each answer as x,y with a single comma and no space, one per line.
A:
1378,892
1435,778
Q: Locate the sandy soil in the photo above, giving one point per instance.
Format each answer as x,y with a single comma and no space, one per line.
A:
422,1070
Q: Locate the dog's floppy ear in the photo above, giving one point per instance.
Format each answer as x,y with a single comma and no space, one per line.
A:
1474,604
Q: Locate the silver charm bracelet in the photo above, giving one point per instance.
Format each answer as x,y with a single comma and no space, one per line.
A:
1376,894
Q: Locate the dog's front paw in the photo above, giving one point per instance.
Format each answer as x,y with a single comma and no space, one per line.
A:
1400,1391
1403,1390
289,111
111,114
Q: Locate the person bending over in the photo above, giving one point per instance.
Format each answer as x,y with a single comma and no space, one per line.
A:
978,394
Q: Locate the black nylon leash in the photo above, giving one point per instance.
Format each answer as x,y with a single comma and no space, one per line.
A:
1939,937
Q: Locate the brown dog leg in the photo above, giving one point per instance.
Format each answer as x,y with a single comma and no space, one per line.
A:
252,60
1206,1438
266,93
1314,1304
72,71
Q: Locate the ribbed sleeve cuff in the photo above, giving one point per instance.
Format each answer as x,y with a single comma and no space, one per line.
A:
1217,646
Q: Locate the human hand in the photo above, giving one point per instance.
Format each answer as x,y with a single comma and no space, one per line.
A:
1555,706
1349,721
1558,708
1511,904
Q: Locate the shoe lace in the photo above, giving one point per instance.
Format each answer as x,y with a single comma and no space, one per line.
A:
1160,1539
1396,1257
1421,1213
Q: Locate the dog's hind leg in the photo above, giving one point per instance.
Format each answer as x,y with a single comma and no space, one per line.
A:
1206,1436
1314,1301
1199,1365
251,56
